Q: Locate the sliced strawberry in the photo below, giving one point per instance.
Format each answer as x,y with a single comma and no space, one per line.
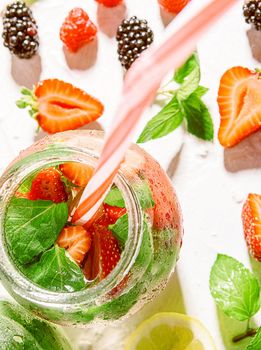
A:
104,254
251,217
239,100
78,173
76,240
113,213
60,106
47,185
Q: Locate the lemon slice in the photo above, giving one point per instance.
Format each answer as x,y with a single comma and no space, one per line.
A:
170,331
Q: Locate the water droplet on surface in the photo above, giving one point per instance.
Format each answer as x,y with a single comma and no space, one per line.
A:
18,339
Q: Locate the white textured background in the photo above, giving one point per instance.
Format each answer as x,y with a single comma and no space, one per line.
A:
211,196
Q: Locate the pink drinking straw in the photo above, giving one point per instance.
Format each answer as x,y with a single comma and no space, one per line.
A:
140,86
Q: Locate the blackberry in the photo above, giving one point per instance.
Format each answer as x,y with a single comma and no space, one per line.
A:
252,13
133,36
20,30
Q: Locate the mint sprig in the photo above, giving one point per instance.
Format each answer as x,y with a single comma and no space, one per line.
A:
237,293
184,103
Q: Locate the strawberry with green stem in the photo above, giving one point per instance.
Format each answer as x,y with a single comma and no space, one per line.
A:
59,106
183,103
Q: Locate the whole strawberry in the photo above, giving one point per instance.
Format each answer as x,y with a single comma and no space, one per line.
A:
77,30
251,217
174,6
47,185
109,3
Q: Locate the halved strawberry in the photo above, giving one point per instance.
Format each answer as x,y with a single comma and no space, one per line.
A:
239,100
76,240
104,254
251,217
47,185
78,173
60,106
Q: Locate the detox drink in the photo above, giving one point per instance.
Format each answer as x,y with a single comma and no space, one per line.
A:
99,271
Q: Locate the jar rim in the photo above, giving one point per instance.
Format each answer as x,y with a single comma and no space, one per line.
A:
22,286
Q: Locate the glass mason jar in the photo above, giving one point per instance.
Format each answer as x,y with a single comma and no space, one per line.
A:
151,249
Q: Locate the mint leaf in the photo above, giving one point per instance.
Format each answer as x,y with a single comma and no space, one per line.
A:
166,121
146,249
255,343
234,288
114,198
189,76
31,227
55,271
121,229
199,121
27,184
186,69
143,192
200,91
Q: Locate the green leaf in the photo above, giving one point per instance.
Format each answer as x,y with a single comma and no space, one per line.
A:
186,69
146,249
199,121
200,91
31,227
255,343
26,92
114,198
234,288
189,76
57,272
26,185
43,335
143,192
120,229
21,104
166,121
